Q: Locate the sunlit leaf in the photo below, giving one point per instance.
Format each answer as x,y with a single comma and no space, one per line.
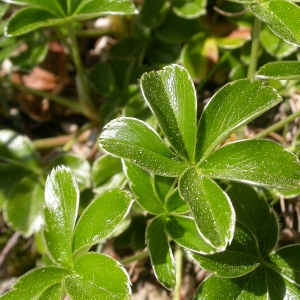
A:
251,161
189,9
37,283
233,106
160,253
210,207
61,206
101,217
137,142
171,95
280,70
98,276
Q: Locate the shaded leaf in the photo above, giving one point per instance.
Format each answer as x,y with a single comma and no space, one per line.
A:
250,161
210,207
98,276
142,185
229,109
189,9
171,95
37,283
184,232
60,212
101,217
280,70
160,253
153,12
176,204
137,142
23,209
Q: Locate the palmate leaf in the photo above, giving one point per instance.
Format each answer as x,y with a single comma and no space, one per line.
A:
210,207
171,95
135,141
277,15
56,12
162,259
233,106
98,276
38,284
60,212
255,162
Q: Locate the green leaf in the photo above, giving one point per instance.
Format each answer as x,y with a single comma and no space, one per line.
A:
29,19
287,261
160,253
254,213
176,204
101,217
229,109
252,286
171,95
142,185
280,70
153,12
98,276
277,14
137,142
54,292
240,257
36,283
274,45
189,9
60,212
79,167
23,210
251,161
184,232
210,207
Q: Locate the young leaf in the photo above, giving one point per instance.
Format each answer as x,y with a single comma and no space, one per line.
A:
23,210
160,253
251,161
171,95
184,232
37,283
137,142
210,207
142,185
254,213
101,217
277,14
233,106
98,276
239,258
61,206
189,9
280,70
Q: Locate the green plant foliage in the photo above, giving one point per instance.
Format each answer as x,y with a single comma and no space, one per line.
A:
259,271
52,13
189,9
79,275
285,70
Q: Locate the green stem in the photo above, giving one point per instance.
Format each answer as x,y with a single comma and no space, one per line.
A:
278,125
178,261
254,48
134,258
213,70
83,89
57,99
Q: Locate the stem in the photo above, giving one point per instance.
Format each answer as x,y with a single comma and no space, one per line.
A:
57,99
213,70
178,261
83,89
277,126
254,48
134,258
